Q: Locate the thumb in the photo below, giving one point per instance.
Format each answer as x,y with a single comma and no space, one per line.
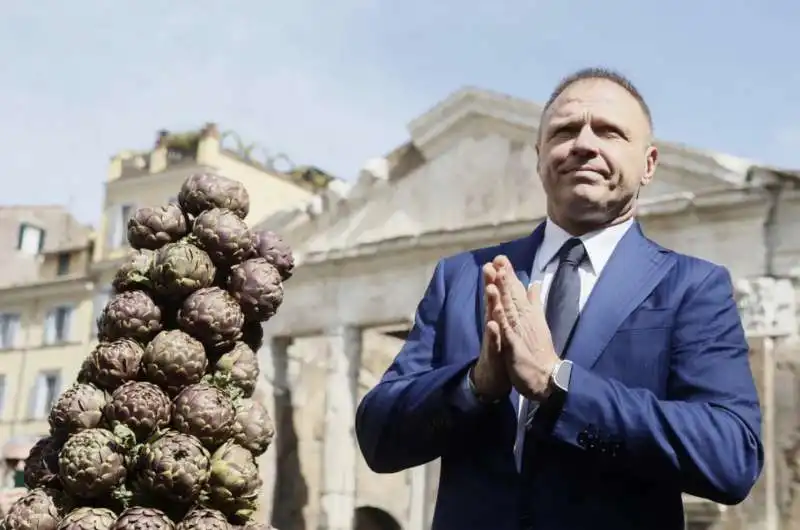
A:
535,292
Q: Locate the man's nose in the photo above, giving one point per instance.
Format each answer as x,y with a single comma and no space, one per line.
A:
585,143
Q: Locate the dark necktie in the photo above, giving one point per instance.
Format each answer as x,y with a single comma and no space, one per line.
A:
563,300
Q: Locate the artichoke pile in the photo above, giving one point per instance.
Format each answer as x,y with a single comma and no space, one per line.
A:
160,431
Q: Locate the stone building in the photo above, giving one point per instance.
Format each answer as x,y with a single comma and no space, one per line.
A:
465,179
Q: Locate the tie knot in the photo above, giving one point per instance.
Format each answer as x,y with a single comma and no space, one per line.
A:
572,252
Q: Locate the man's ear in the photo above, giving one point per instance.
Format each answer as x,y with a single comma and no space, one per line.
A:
650,164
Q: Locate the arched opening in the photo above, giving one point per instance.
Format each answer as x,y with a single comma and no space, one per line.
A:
372,518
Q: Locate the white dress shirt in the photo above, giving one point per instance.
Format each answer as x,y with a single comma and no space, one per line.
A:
599,247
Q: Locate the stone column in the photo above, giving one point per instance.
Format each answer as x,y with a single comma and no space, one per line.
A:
285,492
272,382
340,451
417,499
768,309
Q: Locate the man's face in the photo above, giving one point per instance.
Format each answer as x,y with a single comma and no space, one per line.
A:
595,152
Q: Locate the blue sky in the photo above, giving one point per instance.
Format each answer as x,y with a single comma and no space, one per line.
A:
334,82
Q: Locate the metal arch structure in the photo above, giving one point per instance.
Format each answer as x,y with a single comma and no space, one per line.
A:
258,154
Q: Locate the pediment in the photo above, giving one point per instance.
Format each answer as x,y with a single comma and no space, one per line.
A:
477,168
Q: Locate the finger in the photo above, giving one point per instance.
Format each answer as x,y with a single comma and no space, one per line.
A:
535,292
489,273
493,337
506,299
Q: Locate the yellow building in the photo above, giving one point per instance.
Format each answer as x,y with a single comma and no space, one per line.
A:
55,274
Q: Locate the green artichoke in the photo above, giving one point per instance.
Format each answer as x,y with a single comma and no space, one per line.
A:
112,363
80,407
92,464
234,482
181,268
205,191
204,412
173,360
41,466
142,407
151,228
133,274
39,509
212,316
257,286
239,368
88,518
133,315
204,519
252,427
141,518
253,334
225,237
174,466
276,251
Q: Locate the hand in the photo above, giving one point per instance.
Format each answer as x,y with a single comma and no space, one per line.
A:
490,375
531,357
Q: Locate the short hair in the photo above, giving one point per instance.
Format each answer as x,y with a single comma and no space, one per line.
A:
606,74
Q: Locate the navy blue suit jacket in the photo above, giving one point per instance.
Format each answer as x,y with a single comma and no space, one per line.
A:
661,400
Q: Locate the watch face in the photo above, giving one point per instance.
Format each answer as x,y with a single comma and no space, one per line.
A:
561,376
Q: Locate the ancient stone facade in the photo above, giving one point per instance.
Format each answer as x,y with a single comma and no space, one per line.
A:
467,178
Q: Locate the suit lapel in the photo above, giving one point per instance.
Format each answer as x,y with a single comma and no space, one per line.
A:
636,267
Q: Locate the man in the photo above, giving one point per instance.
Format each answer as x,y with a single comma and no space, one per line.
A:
594,397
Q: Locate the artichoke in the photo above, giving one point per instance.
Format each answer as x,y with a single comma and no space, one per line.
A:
253,334
204,412
92,463
140,518
39,509
80,407
204,519
112,363
152,228
88,518
252,427
181,268
225,237
234,481
174,466
133,274
173,360
238,368
213,317
41,466
257,286
142,407
205,191
133,315
276,251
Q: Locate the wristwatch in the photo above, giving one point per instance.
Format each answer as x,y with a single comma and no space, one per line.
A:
560,376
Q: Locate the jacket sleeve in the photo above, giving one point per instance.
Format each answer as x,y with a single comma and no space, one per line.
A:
706,436
421,403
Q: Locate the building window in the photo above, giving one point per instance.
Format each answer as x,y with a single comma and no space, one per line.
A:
9,330
45,392
101,298
58,324
30,239
118,225
63,263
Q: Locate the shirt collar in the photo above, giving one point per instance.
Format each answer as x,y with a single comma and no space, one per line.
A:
599,244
